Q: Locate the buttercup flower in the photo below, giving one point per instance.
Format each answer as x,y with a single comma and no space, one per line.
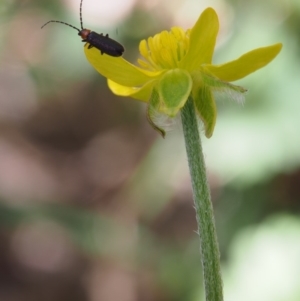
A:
177,65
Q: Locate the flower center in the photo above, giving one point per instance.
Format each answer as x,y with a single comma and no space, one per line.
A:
164,50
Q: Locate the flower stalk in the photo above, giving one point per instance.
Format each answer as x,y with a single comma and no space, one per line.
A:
204,210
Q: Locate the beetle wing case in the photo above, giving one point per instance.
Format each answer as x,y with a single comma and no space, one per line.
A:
105,44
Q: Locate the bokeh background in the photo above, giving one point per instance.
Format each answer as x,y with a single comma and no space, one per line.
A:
96,206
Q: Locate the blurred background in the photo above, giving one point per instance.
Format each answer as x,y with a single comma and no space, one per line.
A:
96,206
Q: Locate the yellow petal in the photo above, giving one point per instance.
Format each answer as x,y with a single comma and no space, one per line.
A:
142,93
202,41
246,64
118,69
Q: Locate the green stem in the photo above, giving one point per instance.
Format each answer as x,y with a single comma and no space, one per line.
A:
204,211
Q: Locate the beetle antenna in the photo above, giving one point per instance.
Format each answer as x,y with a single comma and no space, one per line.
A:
61,23
80,14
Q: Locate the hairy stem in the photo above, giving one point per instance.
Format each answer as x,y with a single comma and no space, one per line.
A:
204,210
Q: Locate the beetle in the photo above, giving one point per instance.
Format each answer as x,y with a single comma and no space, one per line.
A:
102,42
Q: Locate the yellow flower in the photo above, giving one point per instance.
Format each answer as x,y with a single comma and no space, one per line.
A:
178,64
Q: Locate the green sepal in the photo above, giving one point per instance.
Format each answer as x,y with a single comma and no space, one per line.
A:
152,109
206,108
174,89
204,102
224,88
